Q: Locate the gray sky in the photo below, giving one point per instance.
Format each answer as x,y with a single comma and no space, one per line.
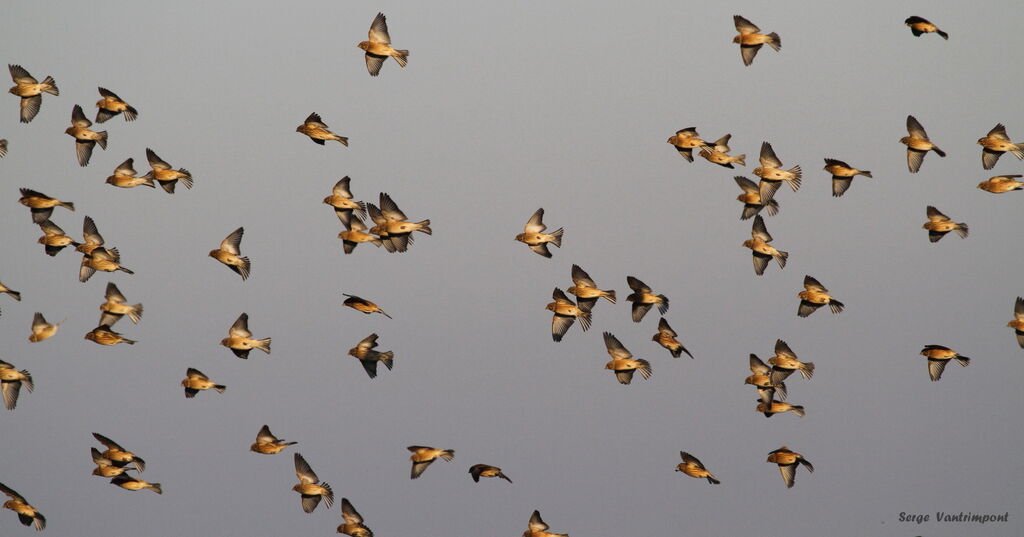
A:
561,105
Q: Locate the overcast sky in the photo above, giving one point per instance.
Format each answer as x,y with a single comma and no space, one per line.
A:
501,110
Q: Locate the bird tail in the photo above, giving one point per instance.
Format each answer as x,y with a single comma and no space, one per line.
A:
243,269
102,140
388,358
940,152
264,345
402,57
794,183
156,488
328,496
836,306
663,306
741,160
866,173
51,86
448,454
644,369
963,360
135,313
807,371
126,270
961,229
1018,151
187,179
775,41
609,296
130,113
943,34
798,410
29,385
148,181
584,318
713,480
68,205
781,259
130,342
557,234
14,294
220,388
342,139
424,226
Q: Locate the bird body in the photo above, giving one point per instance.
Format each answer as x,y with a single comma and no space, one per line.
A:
42,330
785,362
750,40
378,47
128,482
268,444
105,336
368,357
163,173
195,381
533,235
11,382
787,461
622,362
230,252
919,25
565,314
586,290
939,224
111,105
685,141
240,339
317,131
27,515
994,144
30,90
423,456
761,251
310,487
938,356
85,138
486,470
666,337
692,467
815,296
918,145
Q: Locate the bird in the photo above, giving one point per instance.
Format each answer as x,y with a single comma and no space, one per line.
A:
352,524
938,356
787,461
105,259
41,205
486,470
380,229
761,379
776,407
54,239
422,456
30,90
363,351
772,175
750,40
11,382
91,236
3,148
230,251
125,176
643,298
685,141
106,467
363,305
565,313
378,47
920,25
310,487
10,292
842,175
27,515
105,336
111,105
537,528
268,444
1017,324
939,224
717,153
1002,184
317,131
85,139
785,362
815,296
918,145
533,235
41,329
751,199
586,290
396,224
128,482
195,380
116,307
622,362
118,455
356,234
994,144
666,337
341,200
240,340
692,467
760,249
164,174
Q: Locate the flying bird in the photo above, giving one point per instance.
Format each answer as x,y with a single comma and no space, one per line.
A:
118,455
105,259
918,145
995,143
760,249
42,330
116,307
363,351
622,362
692,467
363,305
41,205
685,141
111,105
352,521
761,379
842,175
317,131
128,482
3,148
268,444
240,340
785,362
750,40
341,200
106,467
396,224
666,337
586,290
8,291
643,298
30,90
533,234
103,335
310,487
537,528
378,47
164,174
229,253
486,470
920,25
565,313
772,175
815,296
788,461
125,176
717,153
11,381
938,356
751,199
1002,184
1017,324
777,407
195,380
27,515
423,456
939,224
85,139
356,234
54,239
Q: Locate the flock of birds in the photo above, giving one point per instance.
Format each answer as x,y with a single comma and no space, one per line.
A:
394,231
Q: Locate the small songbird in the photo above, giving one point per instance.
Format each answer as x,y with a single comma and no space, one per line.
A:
30,90
939,224
105,259
317,131
750,40
229,253
125,176
363,351
995,143
41,205
643,298
378,48
717,153
666,337
486,470
352,524
537,528
776,407
622,362
3,148
11,381
27,514
751,199
195,380
761,379
685,141
586,290
380,229
762,251
356,234
111,105
842,175
938,356
1002,184
815,296
565,313
310,487
344,205
116,307
41,329
240,340
268,444
128,482
105,336
91,236
164,174
8,291
54,239
787,461
118,455
785,362
106,467
692,467
398,227
1017,324
363,305
422,456
772,175
533,234
85,139
919,25
918,145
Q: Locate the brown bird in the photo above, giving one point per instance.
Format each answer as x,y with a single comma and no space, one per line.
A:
344,205
995,143
105,336
54,239
643,298
85,139
240,340
1002,184
356,234
919,25
565,313
842,175
750,40
310,487
195,380
622,362
116,307
41,205
533,235
106,467
785,362
363,351
378,48
486,470
268,444
118,455
8,291
717,153
694,468
537,528
3,148
938,356
105,259
788,461
397,225
422,456
125,176
939,224
586,290
815,296
761,379
666,337
91,236
751,199
27,514
230,251
685,141
380,229
41,329
776,407
11,381
918,145
1017,324
111,105
352,524
762,251
772,175
128,482
30,90
363,305
317,131
165,175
